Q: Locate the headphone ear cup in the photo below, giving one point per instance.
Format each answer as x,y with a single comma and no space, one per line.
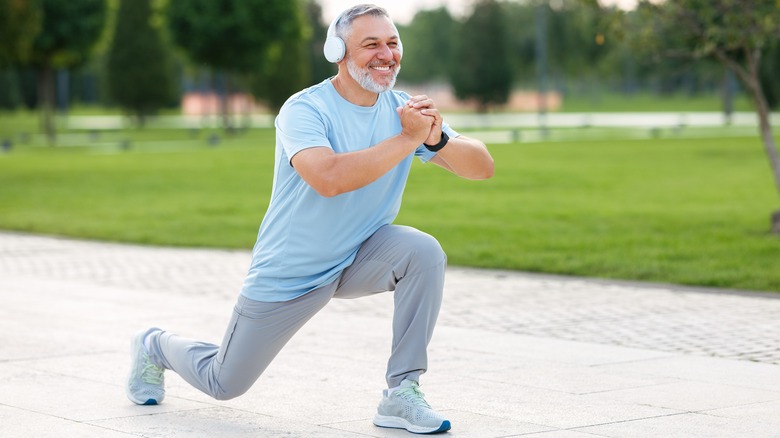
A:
334,49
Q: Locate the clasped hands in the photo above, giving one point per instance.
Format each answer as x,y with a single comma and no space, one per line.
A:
420,120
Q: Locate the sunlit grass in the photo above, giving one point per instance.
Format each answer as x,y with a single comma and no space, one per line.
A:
688,211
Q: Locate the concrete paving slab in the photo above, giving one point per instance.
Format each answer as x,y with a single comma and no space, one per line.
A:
563,434
16,422
706,369
692,425
520,347
691,396
765,413
536,373
565,411
513,354
215,422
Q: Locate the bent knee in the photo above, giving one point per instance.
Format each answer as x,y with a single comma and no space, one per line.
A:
223,394
426,250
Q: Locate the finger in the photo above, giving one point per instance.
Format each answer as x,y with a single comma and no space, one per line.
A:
432,112
415,100
428,103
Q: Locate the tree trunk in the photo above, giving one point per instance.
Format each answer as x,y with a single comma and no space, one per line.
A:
768,139
227,122
765,128
762,108
46,95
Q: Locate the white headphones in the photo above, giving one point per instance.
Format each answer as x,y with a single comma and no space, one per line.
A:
335,48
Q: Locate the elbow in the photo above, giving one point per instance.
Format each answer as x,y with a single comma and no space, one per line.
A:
326,191
485,171
328,187
489,170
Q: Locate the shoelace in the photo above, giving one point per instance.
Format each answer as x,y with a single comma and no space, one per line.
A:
151,373
413,395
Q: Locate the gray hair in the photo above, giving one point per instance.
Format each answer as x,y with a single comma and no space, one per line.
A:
344,23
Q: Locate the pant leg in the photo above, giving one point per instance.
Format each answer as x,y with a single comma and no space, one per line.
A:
411,263
256,333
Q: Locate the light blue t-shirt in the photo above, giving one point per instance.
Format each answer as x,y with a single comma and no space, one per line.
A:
306,240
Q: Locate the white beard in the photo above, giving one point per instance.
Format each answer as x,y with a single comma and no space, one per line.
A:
363,77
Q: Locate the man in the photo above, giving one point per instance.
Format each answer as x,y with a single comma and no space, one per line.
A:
344,148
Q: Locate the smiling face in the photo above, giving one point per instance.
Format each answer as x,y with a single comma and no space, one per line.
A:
373,54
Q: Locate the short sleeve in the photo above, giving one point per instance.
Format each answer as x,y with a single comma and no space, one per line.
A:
300,126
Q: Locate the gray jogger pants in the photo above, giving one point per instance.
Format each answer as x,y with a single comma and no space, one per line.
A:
395,258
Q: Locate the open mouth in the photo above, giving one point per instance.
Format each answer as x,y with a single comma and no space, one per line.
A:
382,68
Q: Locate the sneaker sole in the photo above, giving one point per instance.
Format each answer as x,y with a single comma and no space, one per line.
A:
400,423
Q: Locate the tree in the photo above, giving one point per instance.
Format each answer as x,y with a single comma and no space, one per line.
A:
576,40
285,72
482,70
139,77
232,36
69,31
319,67
521,38
770,82
736,33
20,23
428,56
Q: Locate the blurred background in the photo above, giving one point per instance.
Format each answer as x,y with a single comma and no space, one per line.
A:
631,138
148,57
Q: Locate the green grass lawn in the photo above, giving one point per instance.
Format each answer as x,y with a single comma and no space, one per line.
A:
687,211
692,211
600,101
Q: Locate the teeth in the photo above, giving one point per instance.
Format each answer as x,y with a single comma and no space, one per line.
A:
383,68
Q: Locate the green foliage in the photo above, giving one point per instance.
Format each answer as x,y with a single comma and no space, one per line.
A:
770,79
70,29
428,51
20,22
481,70
319,67
521,39
138,70
10,97
725,29
231,35
285,72
576,38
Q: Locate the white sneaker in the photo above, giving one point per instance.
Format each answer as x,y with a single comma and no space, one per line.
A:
145,385
406,409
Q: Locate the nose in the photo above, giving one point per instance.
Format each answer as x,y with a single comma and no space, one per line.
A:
385,52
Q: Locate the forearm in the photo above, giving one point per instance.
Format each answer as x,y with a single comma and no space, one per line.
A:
344,172
466,157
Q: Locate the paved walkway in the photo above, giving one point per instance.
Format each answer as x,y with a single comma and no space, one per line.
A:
514,354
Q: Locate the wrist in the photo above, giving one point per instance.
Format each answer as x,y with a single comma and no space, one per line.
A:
412,139
438,146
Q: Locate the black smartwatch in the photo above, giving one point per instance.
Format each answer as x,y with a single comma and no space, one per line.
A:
437,147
